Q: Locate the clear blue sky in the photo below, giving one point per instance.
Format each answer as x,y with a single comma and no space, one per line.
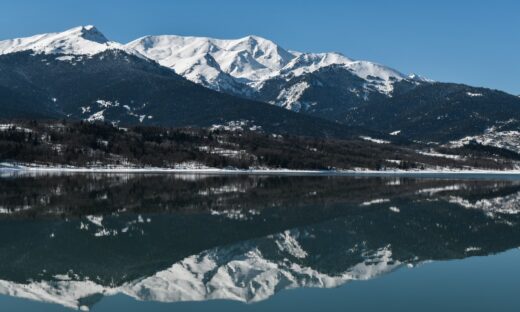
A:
474,42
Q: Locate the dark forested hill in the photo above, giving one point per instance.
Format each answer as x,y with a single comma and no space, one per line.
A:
97,144
440,112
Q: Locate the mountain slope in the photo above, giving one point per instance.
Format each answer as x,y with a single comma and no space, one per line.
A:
441,112
124,88
82,40
337,88
202,59
243,66
80,74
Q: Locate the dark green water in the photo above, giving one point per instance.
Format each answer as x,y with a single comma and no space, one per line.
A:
237,243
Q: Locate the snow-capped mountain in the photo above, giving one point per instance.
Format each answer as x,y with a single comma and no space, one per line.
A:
83,40
243,66
214,62
334,87
80,74
38,74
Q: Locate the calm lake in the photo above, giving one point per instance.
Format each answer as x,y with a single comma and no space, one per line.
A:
165,242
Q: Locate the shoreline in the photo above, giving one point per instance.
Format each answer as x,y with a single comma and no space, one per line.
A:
218,171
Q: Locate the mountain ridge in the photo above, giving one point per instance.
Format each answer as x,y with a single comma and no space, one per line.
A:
252,69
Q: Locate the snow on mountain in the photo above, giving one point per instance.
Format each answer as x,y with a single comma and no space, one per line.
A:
218,64
289,98
309,62
238,66
493,136
371,72
83,40
250,61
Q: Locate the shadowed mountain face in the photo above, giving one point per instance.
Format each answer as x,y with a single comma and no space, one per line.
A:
125,89
440,112
71,239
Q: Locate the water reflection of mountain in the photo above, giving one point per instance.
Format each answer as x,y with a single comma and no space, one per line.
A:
237,238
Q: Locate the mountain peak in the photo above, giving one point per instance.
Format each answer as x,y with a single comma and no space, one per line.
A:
81,40
416,77
245,59
88,32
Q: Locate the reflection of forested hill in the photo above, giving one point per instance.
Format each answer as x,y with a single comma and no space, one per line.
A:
198,256
78,195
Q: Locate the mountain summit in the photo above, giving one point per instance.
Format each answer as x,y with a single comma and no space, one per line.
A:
222,65
82,40
157,80
243,66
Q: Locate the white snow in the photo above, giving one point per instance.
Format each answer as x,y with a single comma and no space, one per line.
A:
97,116
13,127
66,58
239,65
237,125
432,153
216,63
82,40
243,64
375,202
492,137
107,104
395,209
289,98
378,141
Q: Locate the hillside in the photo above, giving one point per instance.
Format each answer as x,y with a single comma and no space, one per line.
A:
101,145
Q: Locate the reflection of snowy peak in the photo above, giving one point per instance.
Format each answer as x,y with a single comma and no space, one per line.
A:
245,273
248,272
233,254
509,204
499,204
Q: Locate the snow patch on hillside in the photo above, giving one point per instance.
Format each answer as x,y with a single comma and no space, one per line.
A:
289,98
378,141
509,140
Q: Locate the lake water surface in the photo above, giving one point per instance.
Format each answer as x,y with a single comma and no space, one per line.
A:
146,242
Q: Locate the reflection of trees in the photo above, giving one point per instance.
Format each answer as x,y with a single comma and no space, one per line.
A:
83,194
